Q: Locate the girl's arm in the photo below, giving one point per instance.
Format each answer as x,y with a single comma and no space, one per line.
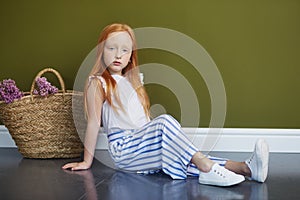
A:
95,100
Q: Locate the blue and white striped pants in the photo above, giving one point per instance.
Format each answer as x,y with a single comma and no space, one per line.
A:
160,144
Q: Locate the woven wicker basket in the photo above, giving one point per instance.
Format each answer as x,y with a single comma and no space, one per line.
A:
43,127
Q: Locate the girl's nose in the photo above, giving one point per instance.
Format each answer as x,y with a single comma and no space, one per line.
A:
118,54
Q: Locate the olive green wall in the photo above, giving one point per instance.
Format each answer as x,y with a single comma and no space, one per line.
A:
255,45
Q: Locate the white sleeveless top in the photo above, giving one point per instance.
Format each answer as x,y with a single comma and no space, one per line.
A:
132,116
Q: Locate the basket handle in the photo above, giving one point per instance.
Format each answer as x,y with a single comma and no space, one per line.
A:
61,81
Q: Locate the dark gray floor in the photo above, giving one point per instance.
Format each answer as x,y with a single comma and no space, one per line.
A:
22,178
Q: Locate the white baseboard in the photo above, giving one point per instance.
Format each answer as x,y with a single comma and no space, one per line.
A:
230,140
6,140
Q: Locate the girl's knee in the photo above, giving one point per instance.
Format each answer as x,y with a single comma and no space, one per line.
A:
168,119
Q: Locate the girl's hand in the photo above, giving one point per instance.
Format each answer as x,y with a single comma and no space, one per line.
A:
77,166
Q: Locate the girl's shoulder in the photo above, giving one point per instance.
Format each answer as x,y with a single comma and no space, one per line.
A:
92,77
100,78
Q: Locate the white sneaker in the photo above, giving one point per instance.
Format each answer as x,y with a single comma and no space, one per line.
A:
259,161
220,176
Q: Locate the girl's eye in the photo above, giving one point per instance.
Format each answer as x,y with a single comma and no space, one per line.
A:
111,48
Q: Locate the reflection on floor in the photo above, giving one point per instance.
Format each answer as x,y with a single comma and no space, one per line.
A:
22,178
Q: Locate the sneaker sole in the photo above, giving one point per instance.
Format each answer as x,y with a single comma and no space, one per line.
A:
260,148
221,184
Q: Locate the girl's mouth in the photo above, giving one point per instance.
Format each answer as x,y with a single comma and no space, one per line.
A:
116,63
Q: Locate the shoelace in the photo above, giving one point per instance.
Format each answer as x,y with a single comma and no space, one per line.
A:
220,173
250,159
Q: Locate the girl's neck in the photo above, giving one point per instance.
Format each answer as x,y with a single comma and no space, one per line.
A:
116,74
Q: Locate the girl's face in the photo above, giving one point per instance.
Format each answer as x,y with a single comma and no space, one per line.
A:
117,51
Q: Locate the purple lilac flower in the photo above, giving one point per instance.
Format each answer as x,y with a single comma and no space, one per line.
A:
44,87
9,91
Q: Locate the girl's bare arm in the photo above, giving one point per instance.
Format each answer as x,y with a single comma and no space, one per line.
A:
95,100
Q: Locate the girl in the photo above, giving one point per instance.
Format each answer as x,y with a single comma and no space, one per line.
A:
115,96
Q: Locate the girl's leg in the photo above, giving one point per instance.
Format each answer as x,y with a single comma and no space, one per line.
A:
213,173
256,167
178,152
162,143
238,167
205,163
159,144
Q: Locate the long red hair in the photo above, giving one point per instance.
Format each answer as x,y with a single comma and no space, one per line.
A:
131,71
